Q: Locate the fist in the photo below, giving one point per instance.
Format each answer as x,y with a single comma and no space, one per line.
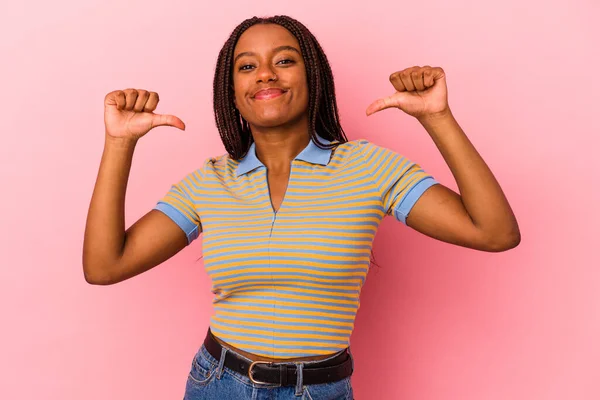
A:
420,91
129,114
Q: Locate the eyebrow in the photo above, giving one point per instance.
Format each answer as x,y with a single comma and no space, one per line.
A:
275,50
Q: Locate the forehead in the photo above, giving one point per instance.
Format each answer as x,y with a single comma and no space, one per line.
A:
261,38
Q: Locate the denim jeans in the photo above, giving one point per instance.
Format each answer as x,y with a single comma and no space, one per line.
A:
210,380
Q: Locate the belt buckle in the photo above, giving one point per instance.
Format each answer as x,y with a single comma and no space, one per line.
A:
250,372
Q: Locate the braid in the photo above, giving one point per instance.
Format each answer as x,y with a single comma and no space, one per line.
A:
322,107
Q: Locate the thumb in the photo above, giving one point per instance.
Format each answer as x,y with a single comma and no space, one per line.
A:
167,120
382,104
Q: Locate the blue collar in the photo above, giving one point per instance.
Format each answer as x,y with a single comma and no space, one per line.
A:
311,154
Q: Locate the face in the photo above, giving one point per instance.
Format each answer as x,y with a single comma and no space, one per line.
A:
269,77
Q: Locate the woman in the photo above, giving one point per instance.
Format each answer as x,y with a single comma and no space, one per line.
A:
289,213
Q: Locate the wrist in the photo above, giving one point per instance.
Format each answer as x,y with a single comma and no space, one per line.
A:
442,117
444,114
119,142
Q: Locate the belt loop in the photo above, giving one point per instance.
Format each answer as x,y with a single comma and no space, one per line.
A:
352,358
283,373
221,362
299,379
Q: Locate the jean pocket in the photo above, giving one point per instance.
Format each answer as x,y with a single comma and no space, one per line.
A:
202,370
338,390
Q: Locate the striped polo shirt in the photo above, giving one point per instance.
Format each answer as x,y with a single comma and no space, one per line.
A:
287,284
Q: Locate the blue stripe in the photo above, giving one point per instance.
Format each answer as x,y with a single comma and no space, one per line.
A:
278,298
285,315
251,247
190,229
241,258
270,337
278,330
315,283
351,294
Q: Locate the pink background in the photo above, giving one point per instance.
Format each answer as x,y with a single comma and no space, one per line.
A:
436,321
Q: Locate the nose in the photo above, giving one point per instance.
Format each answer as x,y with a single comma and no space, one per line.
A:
265,73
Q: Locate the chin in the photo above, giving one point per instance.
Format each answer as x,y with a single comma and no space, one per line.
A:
272,119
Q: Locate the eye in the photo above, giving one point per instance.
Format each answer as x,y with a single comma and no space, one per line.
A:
243,67
286,61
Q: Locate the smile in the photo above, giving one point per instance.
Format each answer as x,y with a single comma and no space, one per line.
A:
269,94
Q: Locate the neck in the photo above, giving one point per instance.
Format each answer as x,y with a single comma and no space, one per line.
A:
277,147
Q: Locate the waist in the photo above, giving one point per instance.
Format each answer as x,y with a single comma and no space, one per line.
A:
256,357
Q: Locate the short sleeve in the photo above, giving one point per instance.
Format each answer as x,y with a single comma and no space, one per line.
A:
400,181
179,205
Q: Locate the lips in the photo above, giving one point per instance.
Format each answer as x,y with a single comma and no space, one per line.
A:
266,94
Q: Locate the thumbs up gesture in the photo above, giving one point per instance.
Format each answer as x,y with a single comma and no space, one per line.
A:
420,92
129,114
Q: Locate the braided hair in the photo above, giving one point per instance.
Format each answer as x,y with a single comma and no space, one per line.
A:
322,107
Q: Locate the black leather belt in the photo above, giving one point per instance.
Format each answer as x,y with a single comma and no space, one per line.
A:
283,373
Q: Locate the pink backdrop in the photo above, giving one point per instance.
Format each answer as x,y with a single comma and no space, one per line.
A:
436,321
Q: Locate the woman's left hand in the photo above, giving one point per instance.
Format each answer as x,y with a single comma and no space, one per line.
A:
420,92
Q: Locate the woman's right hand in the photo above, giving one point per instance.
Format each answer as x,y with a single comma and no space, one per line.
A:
128,114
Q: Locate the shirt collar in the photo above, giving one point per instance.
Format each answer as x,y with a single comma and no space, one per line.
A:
311,154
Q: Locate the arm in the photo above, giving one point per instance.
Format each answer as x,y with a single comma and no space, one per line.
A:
480,217
112,254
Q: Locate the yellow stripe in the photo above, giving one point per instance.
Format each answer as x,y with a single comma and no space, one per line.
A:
235,247
309,278
290,220
279,342
237,259
284,319
233,300
305,227
283,311
243,239
280,334
275,254
280,326
265,291
215,238
292,282
249,271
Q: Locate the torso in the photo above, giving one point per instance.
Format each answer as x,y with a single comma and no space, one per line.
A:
278,183
286,247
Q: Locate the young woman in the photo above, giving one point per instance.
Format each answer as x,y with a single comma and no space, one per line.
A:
289,214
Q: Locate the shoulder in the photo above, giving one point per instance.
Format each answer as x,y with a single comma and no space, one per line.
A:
218,161
355,147
364,149
220,165
207,166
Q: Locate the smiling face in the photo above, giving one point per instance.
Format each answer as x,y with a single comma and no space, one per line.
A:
269,77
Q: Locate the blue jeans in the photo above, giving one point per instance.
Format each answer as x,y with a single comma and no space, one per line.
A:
210,380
